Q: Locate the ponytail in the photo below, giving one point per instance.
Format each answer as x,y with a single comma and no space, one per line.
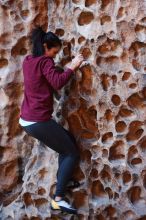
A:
38,36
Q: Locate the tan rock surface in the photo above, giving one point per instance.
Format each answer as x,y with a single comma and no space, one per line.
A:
104,106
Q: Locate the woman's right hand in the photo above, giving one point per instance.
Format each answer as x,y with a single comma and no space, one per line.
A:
76,62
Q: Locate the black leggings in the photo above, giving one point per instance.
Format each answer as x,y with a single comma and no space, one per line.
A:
62,141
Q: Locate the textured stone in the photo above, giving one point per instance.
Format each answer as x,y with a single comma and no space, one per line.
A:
104,106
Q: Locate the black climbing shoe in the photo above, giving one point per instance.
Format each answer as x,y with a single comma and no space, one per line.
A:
72,184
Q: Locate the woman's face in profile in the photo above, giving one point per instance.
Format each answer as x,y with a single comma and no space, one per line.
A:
52,51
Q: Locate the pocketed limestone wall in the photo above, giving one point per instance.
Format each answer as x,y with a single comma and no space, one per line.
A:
103,105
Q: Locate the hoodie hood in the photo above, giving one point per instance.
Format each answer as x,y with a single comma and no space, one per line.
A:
30,57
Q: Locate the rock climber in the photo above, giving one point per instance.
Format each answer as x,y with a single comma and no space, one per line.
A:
41,79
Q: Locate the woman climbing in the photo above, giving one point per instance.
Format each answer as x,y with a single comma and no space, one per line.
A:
41,79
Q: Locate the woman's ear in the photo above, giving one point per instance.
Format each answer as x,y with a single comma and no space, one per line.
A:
45,45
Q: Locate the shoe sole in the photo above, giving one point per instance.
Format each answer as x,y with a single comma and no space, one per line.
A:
64,210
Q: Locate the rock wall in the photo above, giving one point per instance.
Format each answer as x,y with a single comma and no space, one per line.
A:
104,106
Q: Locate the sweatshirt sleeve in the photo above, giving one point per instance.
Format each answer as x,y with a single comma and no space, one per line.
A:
56,79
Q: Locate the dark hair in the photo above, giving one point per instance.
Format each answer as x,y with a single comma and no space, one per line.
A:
38,36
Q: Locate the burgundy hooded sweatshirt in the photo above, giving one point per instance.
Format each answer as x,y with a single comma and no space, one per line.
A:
41,78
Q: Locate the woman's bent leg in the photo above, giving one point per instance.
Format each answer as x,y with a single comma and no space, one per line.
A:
61,156
54,135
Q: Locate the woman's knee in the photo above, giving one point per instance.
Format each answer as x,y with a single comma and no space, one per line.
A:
76,155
